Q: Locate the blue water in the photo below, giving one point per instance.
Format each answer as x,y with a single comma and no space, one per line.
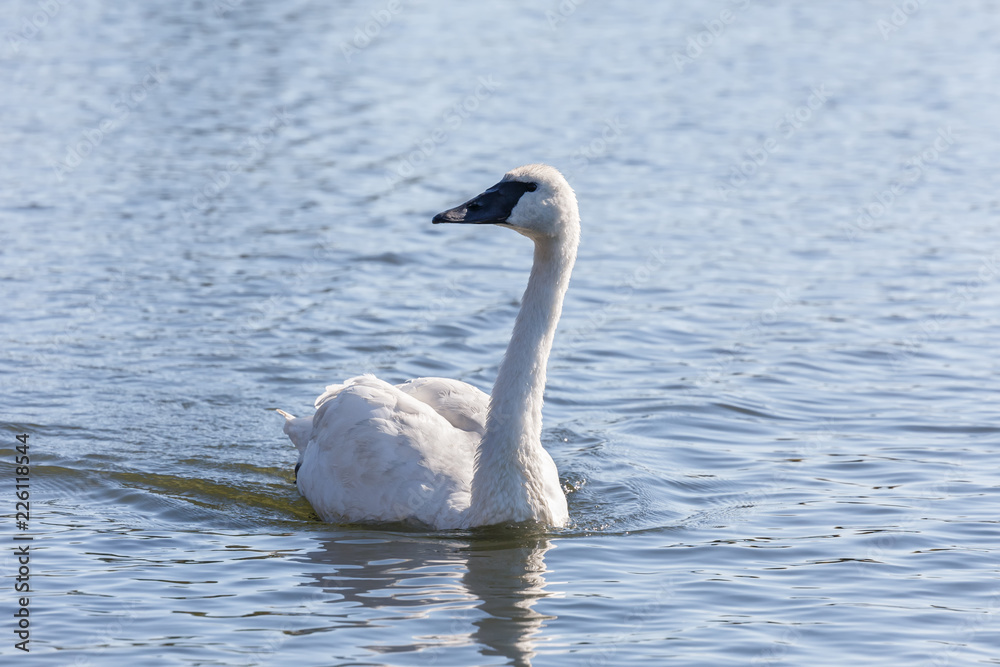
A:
773,395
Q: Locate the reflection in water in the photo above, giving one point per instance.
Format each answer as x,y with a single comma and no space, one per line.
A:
388,575
508,576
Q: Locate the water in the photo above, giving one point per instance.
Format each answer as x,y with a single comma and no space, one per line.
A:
777,414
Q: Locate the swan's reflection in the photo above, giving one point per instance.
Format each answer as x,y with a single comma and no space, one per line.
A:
433,594
508,576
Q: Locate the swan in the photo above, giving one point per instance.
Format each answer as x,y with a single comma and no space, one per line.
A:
440,452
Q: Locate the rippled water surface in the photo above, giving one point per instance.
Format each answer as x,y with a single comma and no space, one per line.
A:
774,392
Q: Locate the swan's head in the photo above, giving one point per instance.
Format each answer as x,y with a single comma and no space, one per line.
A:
534,200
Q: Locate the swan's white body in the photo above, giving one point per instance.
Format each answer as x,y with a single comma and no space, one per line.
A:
438,451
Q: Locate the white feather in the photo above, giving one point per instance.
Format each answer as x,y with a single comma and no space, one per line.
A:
439,451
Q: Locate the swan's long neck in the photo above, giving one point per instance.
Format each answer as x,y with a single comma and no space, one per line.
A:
508,480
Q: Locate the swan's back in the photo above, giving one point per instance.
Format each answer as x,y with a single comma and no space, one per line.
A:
460,403
374,452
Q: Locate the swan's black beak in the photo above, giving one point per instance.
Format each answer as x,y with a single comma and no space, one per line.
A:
492,207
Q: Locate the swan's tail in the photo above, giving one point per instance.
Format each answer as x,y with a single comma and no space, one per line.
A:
298,429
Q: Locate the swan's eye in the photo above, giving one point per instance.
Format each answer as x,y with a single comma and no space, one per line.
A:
531,187
474,206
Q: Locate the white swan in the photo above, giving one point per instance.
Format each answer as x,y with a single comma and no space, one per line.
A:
441,452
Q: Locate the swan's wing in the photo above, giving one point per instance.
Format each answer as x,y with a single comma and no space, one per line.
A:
376,453
460,403
333,389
